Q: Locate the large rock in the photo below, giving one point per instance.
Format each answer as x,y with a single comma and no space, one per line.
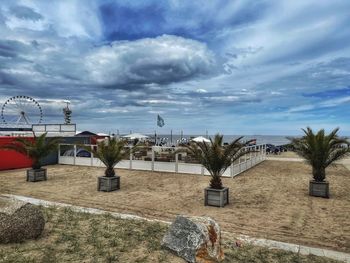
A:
196,239
19,221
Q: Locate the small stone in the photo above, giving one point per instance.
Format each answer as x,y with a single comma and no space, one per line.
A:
196,239
19,221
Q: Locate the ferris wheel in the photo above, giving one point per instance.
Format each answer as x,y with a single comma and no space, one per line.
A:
21,110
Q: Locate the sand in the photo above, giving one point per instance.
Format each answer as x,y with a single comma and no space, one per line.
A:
268,201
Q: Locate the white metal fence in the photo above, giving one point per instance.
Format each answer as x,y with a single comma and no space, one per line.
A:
69,154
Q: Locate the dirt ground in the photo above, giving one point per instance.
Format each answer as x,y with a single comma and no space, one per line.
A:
284,155
268,201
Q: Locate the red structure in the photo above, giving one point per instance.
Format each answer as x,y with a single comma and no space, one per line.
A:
12,159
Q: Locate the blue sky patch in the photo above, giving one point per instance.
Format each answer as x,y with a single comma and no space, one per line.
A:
236,67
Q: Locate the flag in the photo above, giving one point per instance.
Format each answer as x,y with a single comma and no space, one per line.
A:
160,121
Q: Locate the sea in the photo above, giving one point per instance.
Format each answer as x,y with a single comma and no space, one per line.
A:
260,139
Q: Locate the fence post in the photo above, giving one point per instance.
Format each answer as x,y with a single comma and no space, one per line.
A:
202,169
231,169
251,157
239,165
59,153
255,154
152,158
176,163
260,153
130,159
92,155
75,153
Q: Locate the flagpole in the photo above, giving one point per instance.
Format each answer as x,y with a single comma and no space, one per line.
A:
155,133
171,137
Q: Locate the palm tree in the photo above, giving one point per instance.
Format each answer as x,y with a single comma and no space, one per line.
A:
320,150
110,153
36,149
215,157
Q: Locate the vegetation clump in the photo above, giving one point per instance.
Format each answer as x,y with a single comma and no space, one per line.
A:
110,152
321,150
216,157
81,237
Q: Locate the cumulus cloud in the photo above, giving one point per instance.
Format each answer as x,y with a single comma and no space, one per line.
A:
229,63
159,60
24,12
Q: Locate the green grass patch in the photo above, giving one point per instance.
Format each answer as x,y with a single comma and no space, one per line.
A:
80,237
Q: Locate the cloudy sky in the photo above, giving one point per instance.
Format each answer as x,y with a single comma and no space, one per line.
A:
235,67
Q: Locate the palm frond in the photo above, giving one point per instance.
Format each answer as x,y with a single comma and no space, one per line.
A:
110,153
320,150
215,157
35,148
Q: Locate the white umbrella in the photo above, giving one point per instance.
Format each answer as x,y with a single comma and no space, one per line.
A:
134,136
200,139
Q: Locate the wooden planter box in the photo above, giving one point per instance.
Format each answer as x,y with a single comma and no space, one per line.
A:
36,175
216,197
319,189
108,184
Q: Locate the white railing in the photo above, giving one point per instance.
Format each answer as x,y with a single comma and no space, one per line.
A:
254,157
54,129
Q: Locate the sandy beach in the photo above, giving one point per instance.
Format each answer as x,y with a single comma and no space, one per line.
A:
268,201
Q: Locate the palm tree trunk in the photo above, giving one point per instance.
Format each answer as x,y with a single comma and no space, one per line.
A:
216,182
319,174
109,172
36,164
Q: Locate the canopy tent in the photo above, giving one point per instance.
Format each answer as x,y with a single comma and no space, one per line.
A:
200,139
101,134
134,136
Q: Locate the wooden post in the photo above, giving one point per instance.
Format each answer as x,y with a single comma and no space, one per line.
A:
202,170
